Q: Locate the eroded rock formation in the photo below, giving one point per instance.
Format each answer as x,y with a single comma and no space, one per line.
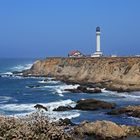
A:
37,127
92,104
121,73
133,111
103,130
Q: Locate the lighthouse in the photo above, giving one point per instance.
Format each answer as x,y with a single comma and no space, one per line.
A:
98,52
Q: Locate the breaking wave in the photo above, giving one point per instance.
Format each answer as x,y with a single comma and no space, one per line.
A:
135,96
58,89
18,68
48,82
21,67
5,99
29,108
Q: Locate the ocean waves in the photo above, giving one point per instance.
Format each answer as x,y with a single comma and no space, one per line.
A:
30,106
20,94
8,72
25,109
56,87
21,67
133,96
5,99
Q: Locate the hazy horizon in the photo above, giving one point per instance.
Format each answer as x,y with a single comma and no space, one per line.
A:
38,29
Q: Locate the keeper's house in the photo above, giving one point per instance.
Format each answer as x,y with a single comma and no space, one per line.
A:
75,53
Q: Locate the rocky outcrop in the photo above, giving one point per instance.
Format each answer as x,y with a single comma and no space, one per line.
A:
63,108
104,130
33,86
133,111
101,130
120,73
92,104
85,89
87,104
39,107
32,128
66,122
37,127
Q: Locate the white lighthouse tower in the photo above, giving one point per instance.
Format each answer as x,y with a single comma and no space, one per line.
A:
98,52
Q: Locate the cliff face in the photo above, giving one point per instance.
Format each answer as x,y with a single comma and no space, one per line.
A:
114,72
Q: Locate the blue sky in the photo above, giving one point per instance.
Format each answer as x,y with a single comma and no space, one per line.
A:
42,28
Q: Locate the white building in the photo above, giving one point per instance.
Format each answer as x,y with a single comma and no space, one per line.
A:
113,55
75,53
98,52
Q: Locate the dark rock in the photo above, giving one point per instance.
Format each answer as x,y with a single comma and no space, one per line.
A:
84,89
97,90
135,114
39,107
117,112
73,90
52,79
33,86
66,121
102,130
16,72
133,111
92,104
117,89
120,90
46,80
63,108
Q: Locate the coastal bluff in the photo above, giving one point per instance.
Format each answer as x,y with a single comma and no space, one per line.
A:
119,73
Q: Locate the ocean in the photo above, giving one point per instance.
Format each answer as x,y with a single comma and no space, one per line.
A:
19,95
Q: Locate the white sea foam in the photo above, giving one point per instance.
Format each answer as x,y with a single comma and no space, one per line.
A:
62,86
59,92
61,89
21,67
18,107
48,82
104,90
52,115
16,68
42,82
5,99
54,105
129,97
58,89
50,78
30,107
6,74
133,96
134,118
11,75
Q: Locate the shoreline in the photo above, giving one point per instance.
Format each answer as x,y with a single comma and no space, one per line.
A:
36,126
66,70
120,74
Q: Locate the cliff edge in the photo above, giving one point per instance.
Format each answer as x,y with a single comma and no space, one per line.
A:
120,73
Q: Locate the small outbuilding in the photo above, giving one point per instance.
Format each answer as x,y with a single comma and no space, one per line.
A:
75,53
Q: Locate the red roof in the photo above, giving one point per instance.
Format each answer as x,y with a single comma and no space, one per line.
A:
73,52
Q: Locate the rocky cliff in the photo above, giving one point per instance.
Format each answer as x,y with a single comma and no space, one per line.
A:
121,73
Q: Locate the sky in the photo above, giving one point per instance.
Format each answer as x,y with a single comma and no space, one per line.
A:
45,28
